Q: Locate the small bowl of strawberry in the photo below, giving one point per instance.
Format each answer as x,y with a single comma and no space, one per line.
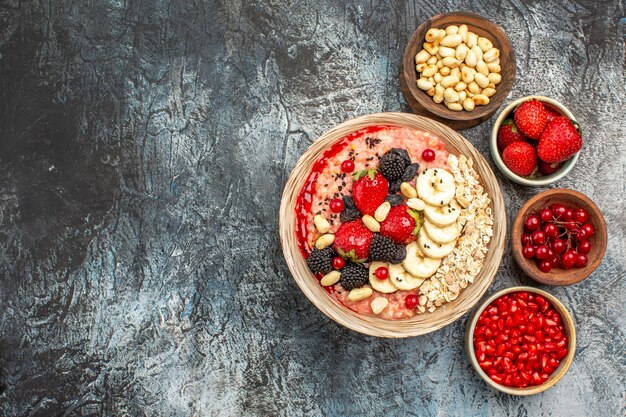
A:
535,141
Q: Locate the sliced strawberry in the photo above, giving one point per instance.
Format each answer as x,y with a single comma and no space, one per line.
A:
560,141
531,118
509,133
352,241
521,158
369,191
399,224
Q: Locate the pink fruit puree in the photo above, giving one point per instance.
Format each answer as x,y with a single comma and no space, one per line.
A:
326,181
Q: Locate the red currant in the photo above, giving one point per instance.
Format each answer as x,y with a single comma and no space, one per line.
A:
569,214
551,230
542,252
336,205
338,262
382,272
584,247
558,245
545,266
581,261
581,215
538,237
532,223
581,234
589,229
545,215
568,260
528,251
558,210
428,155
526,239
347,166
411,301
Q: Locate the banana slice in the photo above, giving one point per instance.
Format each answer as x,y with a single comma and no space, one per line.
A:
444,215
436,186
433,249
402,280
441,234
381,285
417,264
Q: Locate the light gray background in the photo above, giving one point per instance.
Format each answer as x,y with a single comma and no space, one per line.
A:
144,148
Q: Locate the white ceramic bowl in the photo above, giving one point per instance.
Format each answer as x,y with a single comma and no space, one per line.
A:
495,154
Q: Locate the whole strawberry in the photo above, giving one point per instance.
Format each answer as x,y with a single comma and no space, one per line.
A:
369,191
531,118
509,133
399,225
521,158
551,115
352,241
560,141
548,168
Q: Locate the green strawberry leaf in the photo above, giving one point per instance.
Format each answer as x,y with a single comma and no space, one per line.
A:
418,220
417,228
577,126
371,173
359,174
350,256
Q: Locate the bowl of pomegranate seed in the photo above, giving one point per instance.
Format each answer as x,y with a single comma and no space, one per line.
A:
535,141
521,340
559,237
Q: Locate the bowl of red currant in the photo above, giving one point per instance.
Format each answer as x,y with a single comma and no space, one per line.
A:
559,237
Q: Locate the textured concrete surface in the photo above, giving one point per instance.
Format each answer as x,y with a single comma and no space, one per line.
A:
143,150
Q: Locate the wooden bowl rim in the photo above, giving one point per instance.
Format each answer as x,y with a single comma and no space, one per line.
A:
438,109
374,326
547,278
495,154
556,376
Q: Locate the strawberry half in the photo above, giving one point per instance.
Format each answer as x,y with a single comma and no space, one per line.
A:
509,133
521,158
531,118
352,241
369,190
560,141
399,225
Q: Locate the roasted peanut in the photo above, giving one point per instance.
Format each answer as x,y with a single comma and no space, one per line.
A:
408,190
473,87
422,56
450,95
493,67
450,62
359,294
444,51
481,99
489,92
378,304
432,34
491,55
438,77
471,59
431,91
438,98
416,204
449,81
462,96
484,44
430,48
494,78
461,52
460,86
454,106
452,30
324,241
420,67
463,31
330,279
482,68
468,104
429,71
424,84
444,71
382,211
371,223
451,41
481,80
321,224
432,60
467,74
472,39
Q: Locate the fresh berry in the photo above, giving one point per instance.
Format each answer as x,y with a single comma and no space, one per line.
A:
584,247
531,118
569,214
338,262
509,133
369,191
569,259
581,261
588,229
542,252
398,225
558,245
353,276
410,172
550,230
428,155
545,265
526,239
392,165
532,223
520,158
411,301
559,141
547,168
528,251
347,166
545,215
551,114
581,215
538,237
336,205
352,241
382,272
321,261
581,234
382,248
558,210
402,153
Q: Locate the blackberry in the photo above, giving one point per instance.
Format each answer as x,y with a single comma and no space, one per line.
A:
321,261
382,248
410,172
392,166
399,255
394,199
353,276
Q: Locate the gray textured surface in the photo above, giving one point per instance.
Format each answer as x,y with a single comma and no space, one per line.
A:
143,151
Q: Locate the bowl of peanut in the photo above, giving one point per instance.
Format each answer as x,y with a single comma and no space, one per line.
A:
457,68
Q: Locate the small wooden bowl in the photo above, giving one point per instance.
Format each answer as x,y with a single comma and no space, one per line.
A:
558,276
375,326
422,104
570,332
496,155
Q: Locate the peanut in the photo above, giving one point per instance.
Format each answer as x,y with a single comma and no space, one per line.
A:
444,71
432,60
452,30
460,86
438,77
491,55
321,224
371,223
450,95
463,31
452,41
482,68
416,204
454,106
468,104
472,39
481,80
408,190
383,210
422,56
432,34
471,59
461,52
489,92
429,71
424,84
473,87
467,74
444,51
449,81
378,304
330,279
430,48
324,241
481,99
359,294
484,44
494,78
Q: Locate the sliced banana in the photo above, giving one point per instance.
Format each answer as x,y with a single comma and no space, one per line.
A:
402,279
436,186
441,234
417,264
443,215
381,285
433,249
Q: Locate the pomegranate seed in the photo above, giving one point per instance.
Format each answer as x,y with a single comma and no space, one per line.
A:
428,155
